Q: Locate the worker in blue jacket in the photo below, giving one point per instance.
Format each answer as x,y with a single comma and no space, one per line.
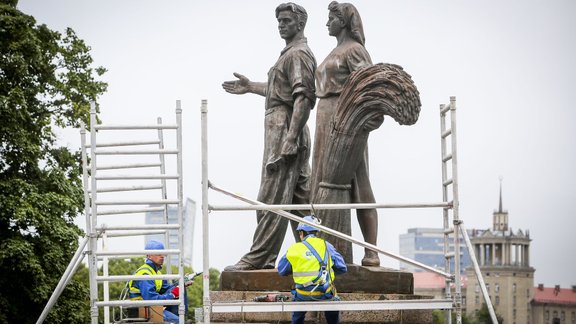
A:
313,264
155,289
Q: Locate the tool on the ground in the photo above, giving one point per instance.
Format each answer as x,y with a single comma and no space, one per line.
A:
272,298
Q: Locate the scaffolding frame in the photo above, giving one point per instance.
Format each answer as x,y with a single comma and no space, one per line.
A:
103,232
449,205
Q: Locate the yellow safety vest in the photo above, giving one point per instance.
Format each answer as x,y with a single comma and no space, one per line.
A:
145,269
305,266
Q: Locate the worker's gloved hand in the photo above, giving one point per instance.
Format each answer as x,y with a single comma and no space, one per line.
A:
176,292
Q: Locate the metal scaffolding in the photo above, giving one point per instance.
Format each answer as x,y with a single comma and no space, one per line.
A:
452,224
128,197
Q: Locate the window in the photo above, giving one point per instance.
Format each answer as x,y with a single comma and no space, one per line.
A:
514,313
488,287
496,288
477,301
477,289
513,300
513,288
547,315
497,302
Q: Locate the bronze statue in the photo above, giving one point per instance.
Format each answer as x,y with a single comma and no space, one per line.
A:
345,24
369,94
290,95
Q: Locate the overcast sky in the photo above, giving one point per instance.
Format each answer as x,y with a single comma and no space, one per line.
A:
510,64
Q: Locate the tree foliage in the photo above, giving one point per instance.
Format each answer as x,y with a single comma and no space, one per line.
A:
46,83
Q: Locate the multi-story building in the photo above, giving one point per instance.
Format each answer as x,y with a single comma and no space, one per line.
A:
554,305
504,259
157,217
426,245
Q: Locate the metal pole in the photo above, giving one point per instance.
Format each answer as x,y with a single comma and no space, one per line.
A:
164,194
91,225
106,284
336,233
205,225
455,214
181,307
63,280
445,212
479,274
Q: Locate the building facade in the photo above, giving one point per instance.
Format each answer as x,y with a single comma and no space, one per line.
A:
504,260
554,305
426,245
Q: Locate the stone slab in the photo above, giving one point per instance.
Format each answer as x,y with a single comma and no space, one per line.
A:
358,279
381,316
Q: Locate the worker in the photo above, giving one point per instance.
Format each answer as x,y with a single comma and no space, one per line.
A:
313,263
156,289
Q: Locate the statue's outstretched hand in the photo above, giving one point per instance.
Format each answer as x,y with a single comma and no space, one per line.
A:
239,86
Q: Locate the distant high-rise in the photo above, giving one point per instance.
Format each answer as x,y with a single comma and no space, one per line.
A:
189,215
426,245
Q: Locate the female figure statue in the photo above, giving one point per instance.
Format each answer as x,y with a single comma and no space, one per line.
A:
345,24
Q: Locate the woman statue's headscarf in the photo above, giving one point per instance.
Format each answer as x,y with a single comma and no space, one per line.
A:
348,13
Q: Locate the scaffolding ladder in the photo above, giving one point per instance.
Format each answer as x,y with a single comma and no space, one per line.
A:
129,197
96,230
453,226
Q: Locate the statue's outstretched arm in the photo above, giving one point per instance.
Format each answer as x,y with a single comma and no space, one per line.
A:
244,85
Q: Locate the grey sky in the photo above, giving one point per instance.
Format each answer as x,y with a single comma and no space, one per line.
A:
510,64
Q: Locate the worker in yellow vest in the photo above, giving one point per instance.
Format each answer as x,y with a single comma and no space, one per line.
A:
313,264
155,289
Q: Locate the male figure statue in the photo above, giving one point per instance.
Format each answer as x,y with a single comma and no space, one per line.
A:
290,95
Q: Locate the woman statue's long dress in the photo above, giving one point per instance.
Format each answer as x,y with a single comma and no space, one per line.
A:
345,24
354,97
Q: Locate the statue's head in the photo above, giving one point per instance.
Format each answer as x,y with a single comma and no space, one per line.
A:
299,11
351,18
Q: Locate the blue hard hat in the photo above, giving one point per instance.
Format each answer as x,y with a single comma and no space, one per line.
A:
154,245
306,227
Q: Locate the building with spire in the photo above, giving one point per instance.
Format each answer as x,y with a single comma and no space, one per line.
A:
504,259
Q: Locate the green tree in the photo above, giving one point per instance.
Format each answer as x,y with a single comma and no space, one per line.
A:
483,316
46,83
440,318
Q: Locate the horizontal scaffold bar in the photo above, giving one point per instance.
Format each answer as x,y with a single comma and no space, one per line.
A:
138,252
137,277
136,227
115,189
129,211
360,305
138,202
326,206
137,177
133,143
134,233
129,166
131,127
117,303
130,152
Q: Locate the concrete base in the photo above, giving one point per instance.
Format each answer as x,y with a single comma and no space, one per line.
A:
358,279
386,316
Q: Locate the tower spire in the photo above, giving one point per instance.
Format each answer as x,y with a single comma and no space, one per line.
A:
500,204
500,216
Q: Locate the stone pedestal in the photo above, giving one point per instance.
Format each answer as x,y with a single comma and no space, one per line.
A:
359,283
358,279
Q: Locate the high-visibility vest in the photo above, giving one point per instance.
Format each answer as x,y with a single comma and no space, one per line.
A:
145,269
306,269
